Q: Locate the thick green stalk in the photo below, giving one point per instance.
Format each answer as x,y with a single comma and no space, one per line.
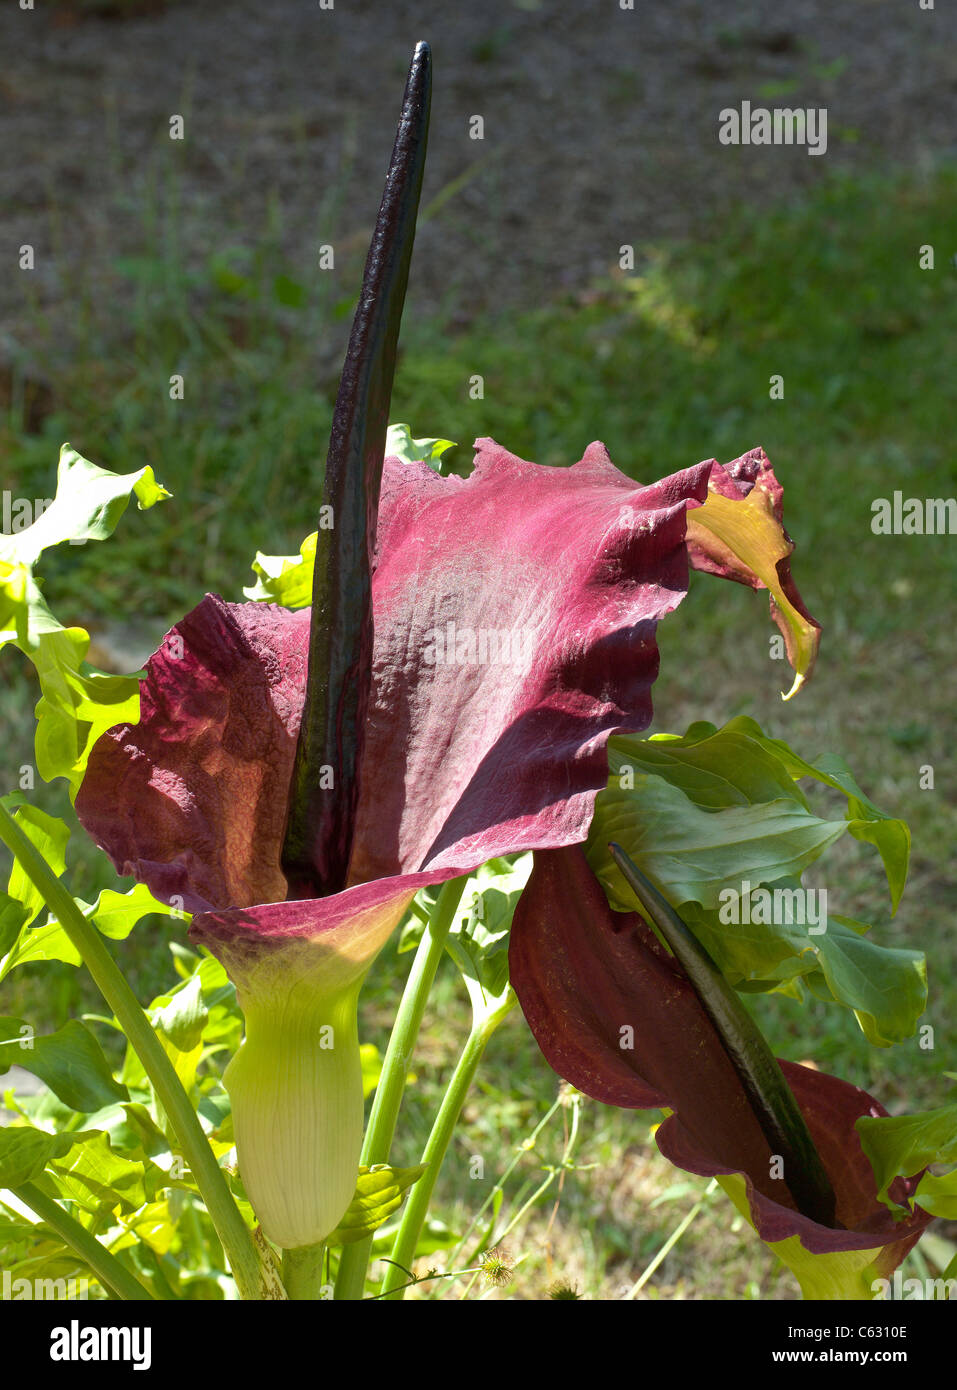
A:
302,1271
104,1265
350,1283
417,1206
223,1211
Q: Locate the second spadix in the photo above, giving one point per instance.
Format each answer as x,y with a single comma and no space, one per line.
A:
770,1098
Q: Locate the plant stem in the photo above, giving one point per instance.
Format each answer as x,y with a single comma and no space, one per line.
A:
104,1265
302,1271
225,1215
670,1243
426,1279
524,1148
354,1261
417,1205
550,1176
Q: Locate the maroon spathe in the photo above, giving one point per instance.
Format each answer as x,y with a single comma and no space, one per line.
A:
549,583
614,1014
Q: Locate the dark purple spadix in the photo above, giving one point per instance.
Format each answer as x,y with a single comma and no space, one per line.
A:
769,1095
320,828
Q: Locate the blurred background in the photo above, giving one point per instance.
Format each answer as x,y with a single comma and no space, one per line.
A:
610,271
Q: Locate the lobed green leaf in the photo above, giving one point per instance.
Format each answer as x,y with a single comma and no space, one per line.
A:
78,703
901,1145
707,813
379,1192
69,1061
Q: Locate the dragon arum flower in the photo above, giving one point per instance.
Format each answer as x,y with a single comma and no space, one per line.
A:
460,762
297,776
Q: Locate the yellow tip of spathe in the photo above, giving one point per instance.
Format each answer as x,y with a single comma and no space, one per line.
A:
798,682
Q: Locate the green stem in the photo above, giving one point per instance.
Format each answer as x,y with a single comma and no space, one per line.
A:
302,1271
563,1164
526,1147
539,1192
354,1261
104,1265
671,1242
432,1278
223,1211
417,1205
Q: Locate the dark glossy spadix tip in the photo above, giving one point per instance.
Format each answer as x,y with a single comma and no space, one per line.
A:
321,818
770,1097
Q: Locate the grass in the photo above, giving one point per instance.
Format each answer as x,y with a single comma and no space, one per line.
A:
667,364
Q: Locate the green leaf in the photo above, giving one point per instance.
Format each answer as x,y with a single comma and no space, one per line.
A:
129,1125
285,579
901,1145
50,836
13,918
91,1174
885,986
693,855
479,936
756,954
181,1014
738,765
435,1236
77,702
88,504
48,942
378,1193
371,1060
717,820
14,604
714,767
938,1195
890,836
114,914
400,444
69,1061
25,1152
